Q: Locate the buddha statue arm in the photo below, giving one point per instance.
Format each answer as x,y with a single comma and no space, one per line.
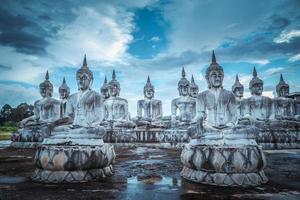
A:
67,119
232,108
139,109
159,106
32,118
200,109
173,112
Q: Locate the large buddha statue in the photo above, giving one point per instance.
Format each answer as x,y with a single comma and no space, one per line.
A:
116,108
221,152
64,92
258,108
185,104
149,110
238,91
283,107
104,89
46,110
75,152
194,89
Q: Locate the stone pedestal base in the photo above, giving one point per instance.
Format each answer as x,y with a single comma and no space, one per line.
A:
48,176
224,165
25,145
224,179
73,163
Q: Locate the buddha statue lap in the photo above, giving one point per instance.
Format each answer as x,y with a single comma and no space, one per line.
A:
46,110
221,152
75,152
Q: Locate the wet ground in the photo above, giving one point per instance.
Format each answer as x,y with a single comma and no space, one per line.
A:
146,173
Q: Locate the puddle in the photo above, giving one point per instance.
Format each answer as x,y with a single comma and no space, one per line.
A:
12,179
155,180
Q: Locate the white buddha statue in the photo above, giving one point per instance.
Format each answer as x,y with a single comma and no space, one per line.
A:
149,110
194,88
46,110
238,91
64,92
185,104
104,89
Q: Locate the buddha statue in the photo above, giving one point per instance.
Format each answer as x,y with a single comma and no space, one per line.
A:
149,110
104,90
283,107
75,152
238,91
46,110
221,152
194,89
116,108
64,92
258,108
184,103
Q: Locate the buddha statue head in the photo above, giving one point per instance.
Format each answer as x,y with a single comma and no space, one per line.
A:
256,84
214,74
183,85
282,88
104,89
238,88
194,89
114,86
148,89
84,76
64,90
46,87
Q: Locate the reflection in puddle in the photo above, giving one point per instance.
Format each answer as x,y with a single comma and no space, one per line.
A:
155,180
12,179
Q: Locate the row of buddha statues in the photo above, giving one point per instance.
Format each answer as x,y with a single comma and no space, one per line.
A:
111,111
222,149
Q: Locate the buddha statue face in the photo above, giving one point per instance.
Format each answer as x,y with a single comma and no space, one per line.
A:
149,93
46,91
283,92
114,90
83,81
105,93
257,89
215,78
64,93
184,89
194,92
239,92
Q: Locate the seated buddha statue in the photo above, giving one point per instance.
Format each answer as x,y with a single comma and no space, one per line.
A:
64,92
194,89
258,108
116,108
218,152
185,104
104,89
84,113
283,107
149,110
238,91
75,151
46,110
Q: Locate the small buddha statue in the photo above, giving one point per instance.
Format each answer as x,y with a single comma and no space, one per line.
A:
46,110
116,108
75,151
194,89
64,92
218,153
258,108
283,107
184,103
104,89
238,91
149,110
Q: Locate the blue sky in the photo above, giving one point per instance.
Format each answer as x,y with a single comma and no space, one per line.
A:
137,38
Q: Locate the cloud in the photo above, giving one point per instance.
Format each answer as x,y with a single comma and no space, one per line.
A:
4,67
155,39
294,58
275,70
286,37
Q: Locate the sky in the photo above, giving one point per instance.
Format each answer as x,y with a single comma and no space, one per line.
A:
146,37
